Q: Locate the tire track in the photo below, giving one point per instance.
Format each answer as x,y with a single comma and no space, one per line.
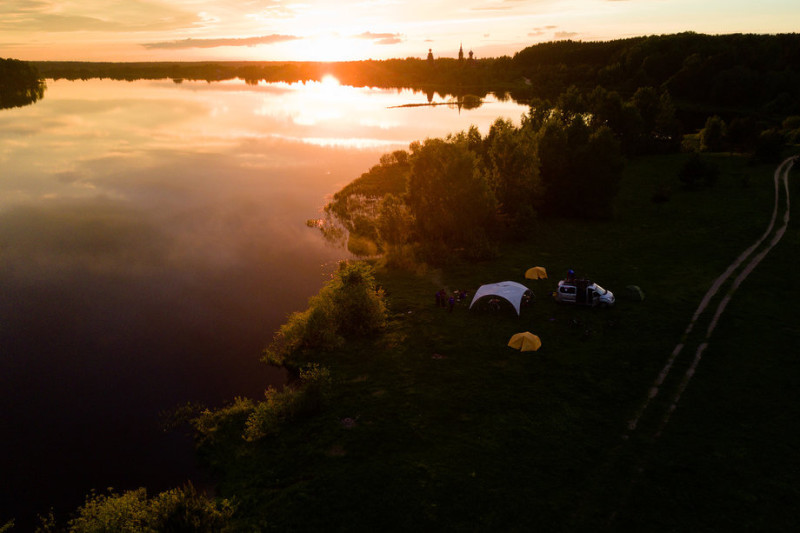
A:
664,414
781,174
628,459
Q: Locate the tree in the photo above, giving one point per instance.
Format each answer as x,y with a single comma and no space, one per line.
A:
552,150
742,134
394,221
607,109
599,173
450,200
20,84
512,170
358,304
580,168
350,305
667,134
571,102
712,136
648,102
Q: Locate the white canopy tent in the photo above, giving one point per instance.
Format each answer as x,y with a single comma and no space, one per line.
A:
508,290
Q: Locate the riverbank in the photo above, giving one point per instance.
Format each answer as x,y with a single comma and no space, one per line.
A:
436,423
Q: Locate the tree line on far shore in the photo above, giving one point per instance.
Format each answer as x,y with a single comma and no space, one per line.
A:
20,84
732,73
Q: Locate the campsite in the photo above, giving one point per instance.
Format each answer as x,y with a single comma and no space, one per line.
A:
438,421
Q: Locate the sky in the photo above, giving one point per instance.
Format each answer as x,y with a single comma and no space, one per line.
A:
328,30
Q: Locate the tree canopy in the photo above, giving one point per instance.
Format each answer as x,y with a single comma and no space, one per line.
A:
20,84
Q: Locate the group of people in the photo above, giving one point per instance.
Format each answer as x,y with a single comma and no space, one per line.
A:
443,300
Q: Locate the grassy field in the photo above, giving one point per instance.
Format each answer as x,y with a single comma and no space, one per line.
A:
438,425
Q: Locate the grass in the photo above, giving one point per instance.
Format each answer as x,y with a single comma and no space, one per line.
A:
438,425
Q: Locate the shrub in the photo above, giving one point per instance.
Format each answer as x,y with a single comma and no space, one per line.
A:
359,306
712,136
185,510
306,398
112,512
349,305
266,417
173,510
211,424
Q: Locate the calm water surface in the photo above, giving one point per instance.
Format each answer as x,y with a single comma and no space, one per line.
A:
152,238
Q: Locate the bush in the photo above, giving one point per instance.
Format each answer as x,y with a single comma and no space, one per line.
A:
306,398
173,510
185,510
349,305
210,425
712,136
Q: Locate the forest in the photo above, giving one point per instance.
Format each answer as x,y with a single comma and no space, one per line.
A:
455,197
731,74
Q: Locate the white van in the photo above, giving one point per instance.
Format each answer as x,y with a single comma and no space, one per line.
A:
583,292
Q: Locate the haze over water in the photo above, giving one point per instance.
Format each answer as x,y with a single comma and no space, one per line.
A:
152,238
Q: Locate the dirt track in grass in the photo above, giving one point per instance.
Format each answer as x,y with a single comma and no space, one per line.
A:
630,458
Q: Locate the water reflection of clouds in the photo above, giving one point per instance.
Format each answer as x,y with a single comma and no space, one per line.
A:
93,128
143,234
353,142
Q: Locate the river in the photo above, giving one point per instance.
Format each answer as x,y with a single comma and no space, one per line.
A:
152,239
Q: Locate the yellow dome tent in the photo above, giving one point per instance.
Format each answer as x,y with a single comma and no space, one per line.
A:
525,342
536,273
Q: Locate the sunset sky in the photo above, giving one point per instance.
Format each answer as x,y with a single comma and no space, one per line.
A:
326,30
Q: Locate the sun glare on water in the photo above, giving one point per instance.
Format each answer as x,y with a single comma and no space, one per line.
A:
327,113
324,101
329,81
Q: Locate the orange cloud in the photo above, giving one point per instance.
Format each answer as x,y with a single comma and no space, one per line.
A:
214,43
382,38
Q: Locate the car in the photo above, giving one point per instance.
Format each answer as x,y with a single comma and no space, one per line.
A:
583,292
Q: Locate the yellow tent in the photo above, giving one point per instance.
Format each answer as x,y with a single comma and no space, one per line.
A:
525,342
536,273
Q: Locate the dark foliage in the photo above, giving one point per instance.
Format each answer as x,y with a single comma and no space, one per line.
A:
755,72
769,146
20,84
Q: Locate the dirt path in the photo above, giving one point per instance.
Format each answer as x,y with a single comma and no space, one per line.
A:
781,175
629,458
